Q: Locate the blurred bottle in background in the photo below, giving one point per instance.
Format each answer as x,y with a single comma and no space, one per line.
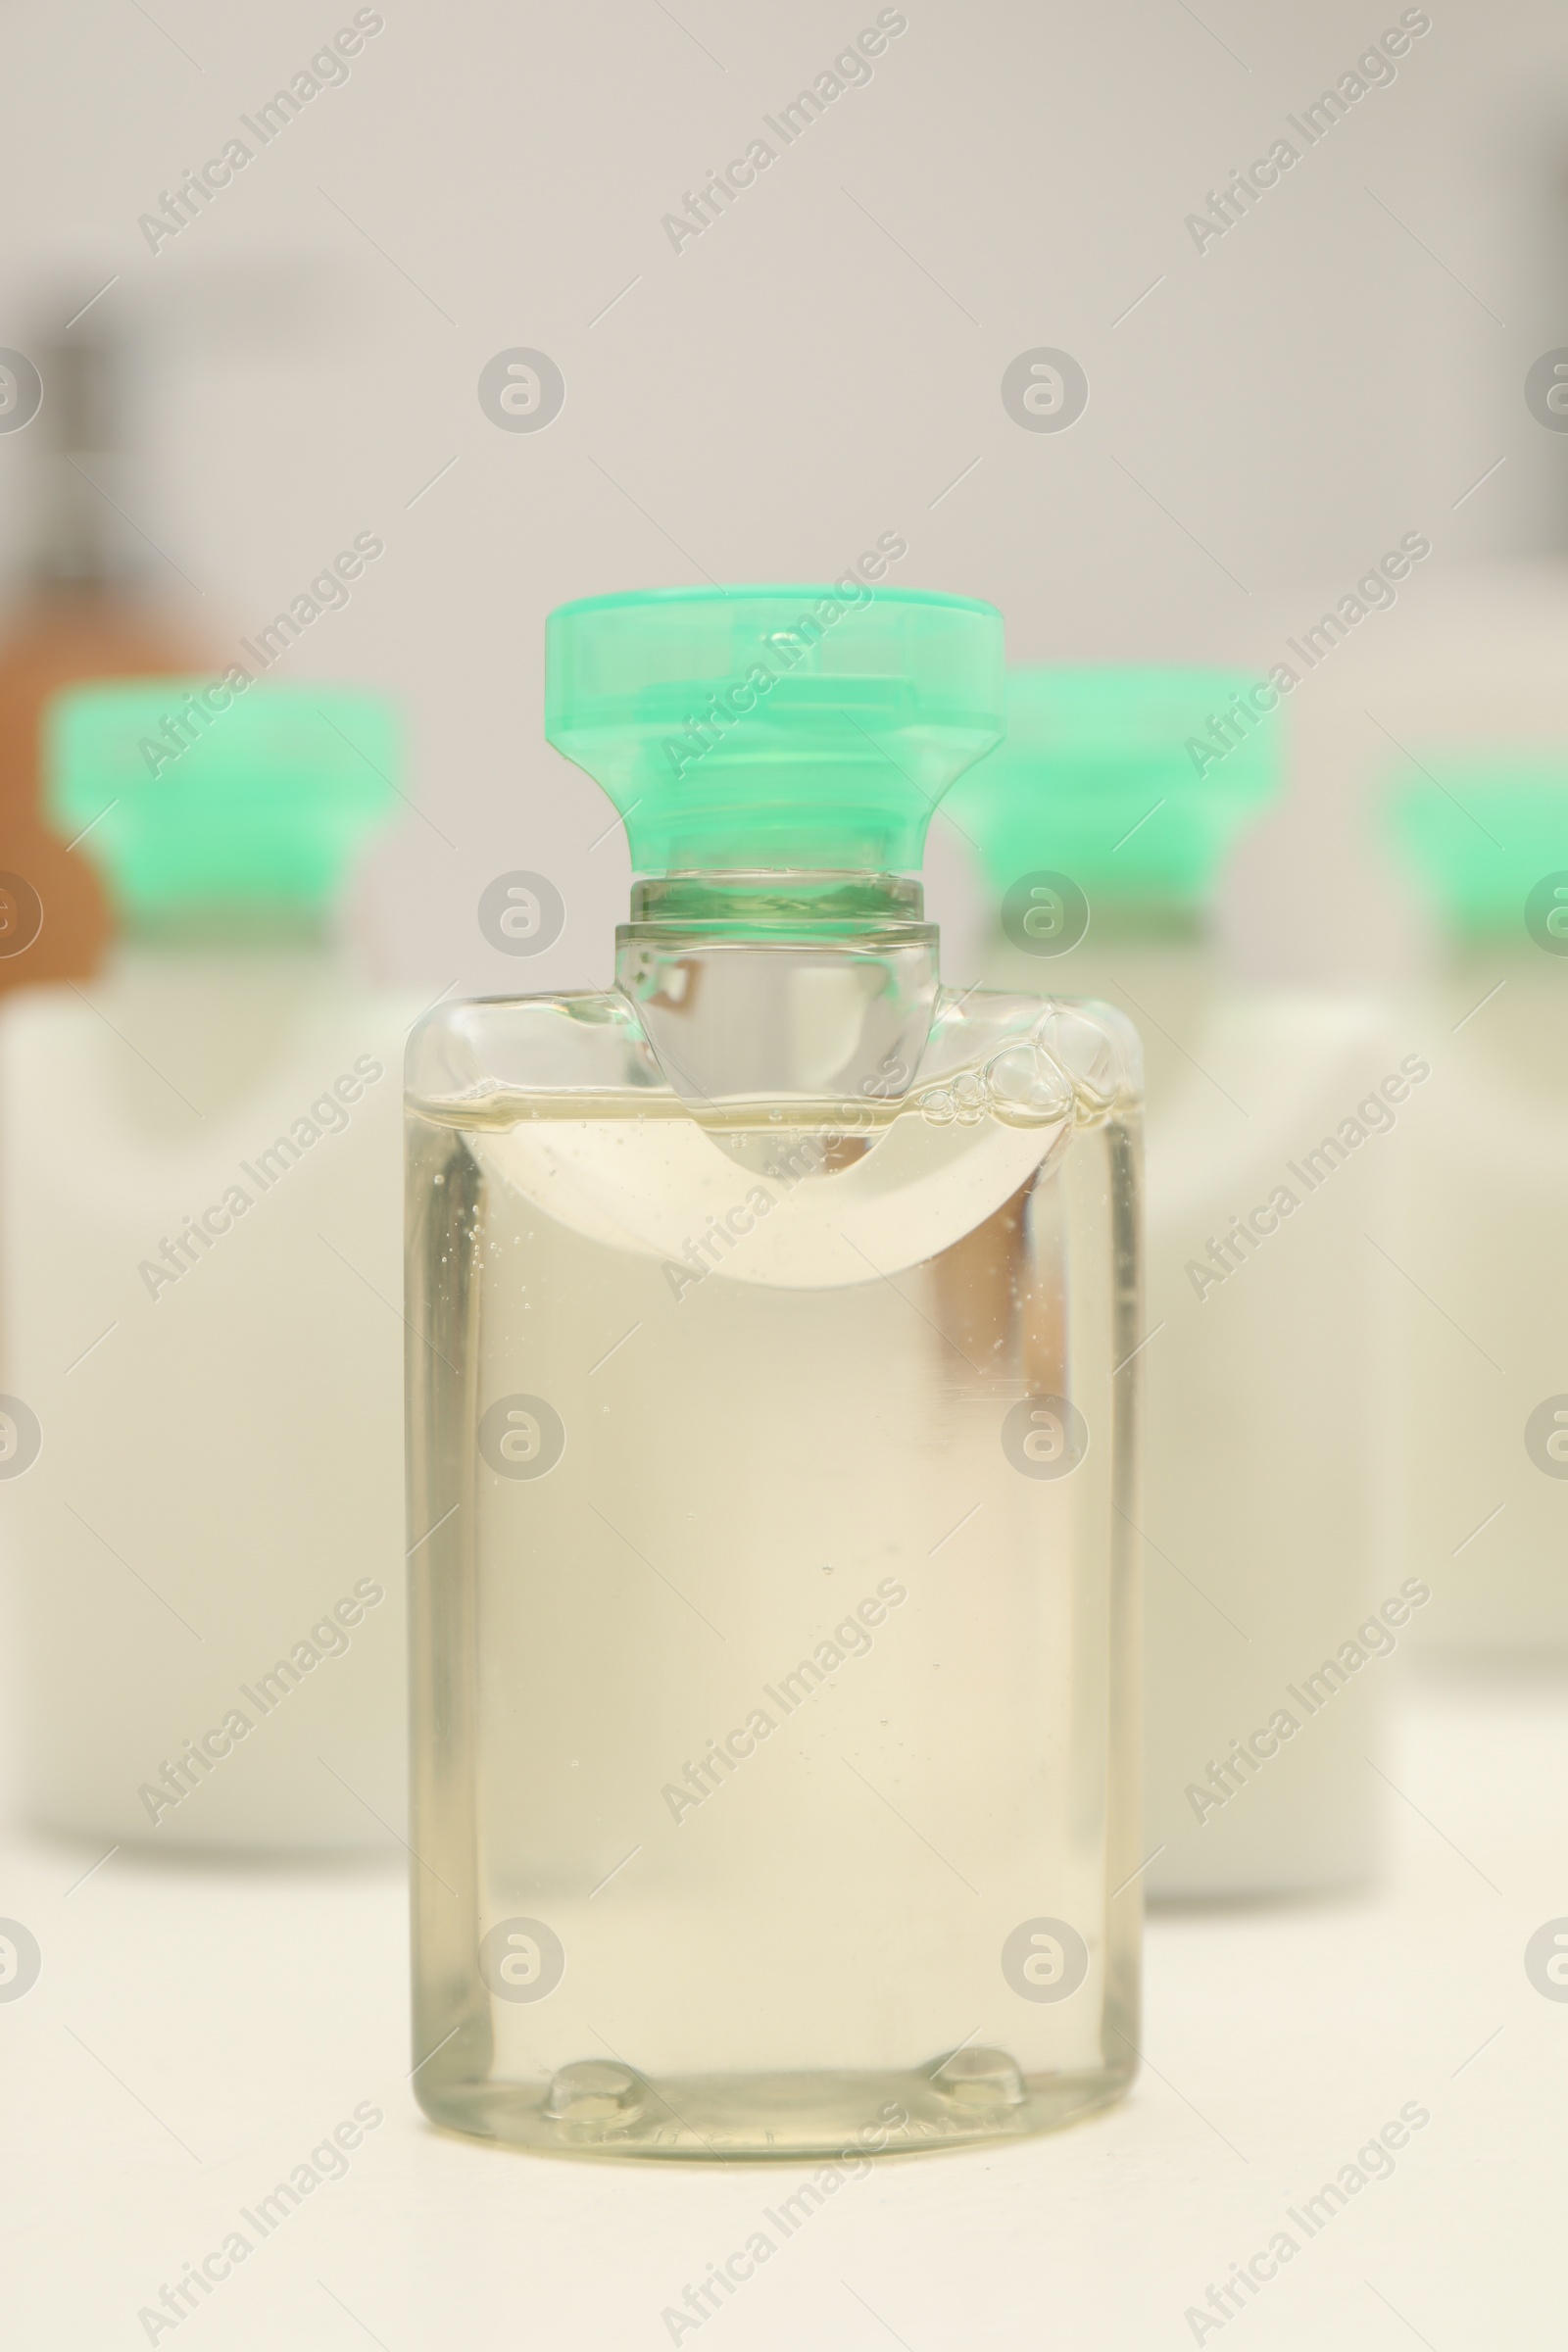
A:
1263,1364
84,613
1484,1362
200,1289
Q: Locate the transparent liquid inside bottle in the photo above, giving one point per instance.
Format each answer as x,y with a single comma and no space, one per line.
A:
773,1592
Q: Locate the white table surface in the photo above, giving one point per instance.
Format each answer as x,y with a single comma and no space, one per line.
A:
195,2031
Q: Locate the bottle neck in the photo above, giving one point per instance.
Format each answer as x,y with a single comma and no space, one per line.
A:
1509,946
777,904
780,986
80,543
244,926
1151,921
76,550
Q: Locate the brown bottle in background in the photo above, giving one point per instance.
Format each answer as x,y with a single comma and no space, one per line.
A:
82,613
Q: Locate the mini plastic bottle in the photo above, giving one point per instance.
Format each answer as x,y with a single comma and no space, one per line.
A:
771,1370
1483,1453
1263,1366
201,1345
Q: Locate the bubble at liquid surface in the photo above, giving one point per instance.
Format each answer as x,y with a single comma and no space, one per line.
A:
1070,1065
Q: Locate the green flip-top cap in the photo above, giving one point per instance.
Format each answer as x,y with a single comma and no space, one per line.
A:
761,728
185,791
1134,782
1481,830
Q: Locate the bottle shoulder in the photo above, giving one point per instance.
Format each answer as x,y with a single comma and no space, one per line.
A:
984,1045
559,1102
586,1041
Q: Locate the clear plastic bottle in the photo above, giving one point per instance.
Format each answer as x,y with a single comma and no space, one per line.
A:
199,1262
1263,1369
774,1633
1483,1439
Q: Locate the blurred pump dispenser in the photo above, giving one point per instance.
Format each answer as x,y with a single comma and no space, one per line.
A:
83,613
199,1283
1484,1371
1265,1644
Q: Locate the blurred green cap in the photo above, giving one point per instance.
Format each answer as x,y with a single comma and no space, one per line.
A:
1135,782
1481,830
184,790
766,727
